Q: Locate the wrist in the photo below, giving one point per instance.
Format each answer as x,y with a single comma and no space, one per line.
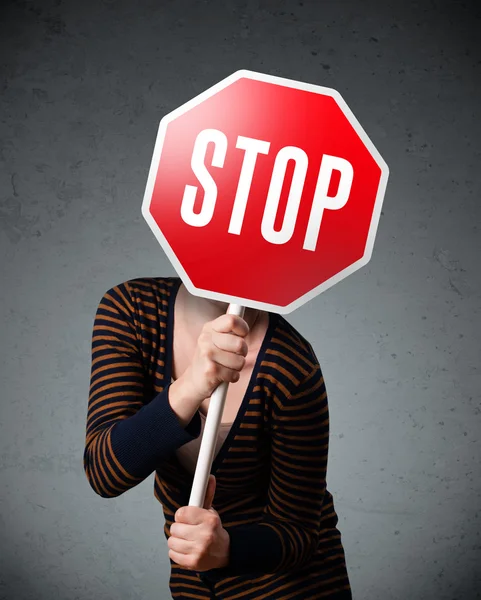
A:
178,390
182,401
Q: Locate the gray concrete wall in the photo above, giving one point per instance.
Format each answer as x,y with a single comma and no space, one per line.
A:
83,87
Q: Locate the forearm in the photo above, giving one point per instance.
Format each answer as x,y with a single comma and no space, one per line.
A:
121,456
264,547
182,401
254,548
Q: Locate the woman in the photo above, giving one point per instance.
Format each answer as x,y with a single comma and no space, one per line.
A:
268,526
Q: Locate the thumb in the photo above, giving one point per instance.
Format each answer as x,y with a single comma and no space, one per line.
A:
210,493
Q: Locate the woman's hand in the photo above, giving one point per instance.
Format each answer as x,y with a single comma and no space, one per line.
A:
219,356
197,539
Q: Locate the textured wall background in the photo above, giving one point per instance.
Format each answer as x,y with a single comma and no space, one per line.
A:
83,87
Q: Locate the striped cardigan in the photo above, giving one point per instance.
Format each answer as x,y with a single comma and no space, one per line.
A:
270,472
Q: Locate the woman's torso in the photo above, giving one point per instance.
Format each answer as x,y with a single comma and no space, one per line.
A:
261,467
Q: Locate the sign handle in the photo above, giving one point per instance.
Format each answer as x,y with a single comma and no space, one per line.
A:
211,431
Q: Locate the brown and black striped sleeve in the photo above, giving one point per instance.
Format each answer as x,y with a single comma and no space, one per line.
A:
128,434
287,536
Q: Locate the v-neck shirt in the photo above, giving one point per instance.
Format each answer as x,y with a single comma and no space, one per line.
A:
270,469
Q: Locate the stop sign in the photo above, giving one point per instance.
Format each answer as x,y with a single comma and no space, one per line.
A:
264,191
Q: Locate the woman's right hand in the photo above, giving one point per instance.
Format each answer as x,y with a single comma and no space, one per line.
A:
219,356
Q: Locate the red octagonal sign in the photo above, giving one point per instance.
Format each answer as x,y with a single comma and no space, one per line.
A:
264,191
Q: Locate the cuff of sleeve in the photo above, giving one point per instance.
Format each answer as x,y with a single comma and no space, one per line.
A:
151,435
194,427
254,550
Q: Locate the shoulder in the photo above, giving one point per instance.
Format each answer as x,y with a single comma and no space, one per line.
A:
291,357
134,296
142,289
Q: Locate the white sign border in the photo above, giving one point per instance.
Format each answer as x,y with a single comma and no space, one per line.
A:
243,73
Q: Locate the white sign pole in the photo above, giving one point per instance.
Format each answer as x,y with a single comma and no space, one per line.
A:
211,431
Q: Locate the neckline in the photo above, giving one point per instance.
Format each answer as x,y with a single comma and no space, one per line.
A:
235,426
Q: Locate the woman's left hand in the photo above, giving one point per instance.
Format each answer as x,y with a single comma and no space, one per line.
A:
197,539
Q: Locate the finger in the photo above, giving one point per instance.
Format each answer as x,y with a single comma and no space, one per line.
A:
190,515
224,373
183,560
230,342
180,546
230,323
183,531
229,360
210,493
